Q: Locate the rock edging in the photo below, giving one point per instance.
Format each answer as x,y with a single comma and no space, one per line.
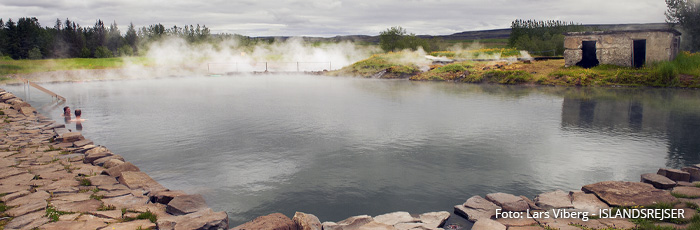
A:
52,178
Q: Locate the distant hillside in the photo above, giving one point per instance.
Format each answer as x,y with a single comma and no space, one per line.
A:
474,35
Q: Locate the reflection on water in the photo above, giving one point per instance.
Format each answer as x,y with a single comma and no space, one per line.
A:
338,147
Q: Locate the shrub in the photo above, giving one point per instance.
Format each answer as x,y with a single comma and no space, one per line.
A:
666,74
103,52
34,54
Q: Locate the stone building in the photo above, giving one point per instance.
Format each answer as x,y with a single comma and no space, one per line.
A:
632,48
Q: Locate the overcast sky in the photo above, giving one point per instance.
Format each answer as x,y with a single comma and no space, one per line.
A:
334,17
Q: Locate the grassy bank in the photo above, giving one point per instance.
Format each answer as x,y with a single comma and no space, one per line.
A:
9,66
684,71
388,65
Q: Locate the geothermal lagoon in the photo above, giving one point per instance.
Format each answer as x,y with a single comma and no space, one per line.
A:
337,147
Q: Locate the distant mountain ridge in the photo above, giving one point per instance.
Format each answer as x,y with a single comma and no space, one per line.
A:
473,35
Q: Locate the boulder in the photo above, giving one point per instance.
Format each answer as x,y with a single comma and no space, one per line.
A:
658,181
165,196
394,218
374,225
508,202
622,193
554,200
275,221
140,180
694,173
488,224
71,137
204,219
674,174
306,221
185,204
587,202
476,208
118,170
687,192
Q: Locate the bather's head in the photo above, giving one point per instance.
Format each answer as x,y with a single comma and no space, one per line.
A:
78,112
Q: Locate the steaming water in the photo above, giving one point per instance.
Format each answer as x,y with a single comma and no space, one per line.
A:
338,147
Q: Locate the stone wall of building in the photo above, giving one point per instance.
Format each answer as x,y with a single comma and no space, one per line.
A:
615,47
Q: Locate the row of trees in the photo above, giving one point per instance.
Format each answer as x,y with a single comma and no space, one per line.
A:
686,14
541,37
26,39
397,38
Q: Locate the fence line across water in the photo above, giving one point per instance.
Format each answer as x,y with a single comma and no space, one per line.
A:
268,66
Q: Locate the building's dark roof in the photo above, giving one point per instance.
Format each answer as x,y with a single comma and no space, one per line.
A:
674,31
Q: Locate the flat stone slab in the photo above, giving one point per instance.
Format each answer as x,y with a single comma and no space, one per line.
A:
434,219
206,219
508,202
395,218
102,180
113,214
674,174
79,206
272,221
128,201
28,221
71,197
13,188
136,224
488,224
27,208
182,205
554,200
515,222
587,202
622,193
164,197
618,223
71,137
118,170
476,207
688,192
140,180
30,198
69,225
658,181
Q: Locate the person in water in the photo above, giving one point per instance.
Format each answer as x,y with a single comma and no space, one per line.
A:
78,114
78,120
66,113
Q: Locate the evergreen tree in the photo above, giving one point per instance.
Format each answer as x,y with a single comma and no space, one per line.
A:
686,13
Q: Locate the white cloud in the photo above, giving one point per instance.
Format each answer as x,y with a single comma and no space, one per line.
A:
335,17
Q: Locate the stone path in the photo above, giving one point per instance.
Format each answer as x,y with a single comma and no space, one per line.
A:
51,178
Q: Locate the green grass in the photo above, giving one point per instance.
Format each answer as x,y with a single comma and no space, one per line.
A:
397,64
148,215
9,66
449,72
54,214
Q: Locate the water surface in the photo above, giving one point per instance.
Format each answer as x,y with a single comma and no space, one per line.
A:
338,147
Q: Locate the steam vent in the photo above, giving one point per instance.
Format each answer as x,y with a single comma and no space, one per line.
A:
631,48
